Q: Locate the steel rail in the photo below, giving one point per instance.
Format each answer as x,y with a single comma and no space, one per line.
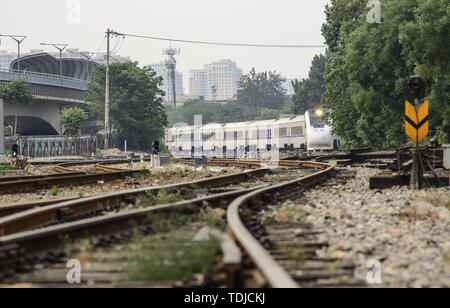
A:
109,169
33,183
17,208
63,169
36,242
273,273
54,213
36,177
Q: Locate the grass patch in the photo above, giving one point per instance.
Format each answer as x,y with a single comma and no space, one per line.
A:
175,258
162,196
55,191
169,255
6,167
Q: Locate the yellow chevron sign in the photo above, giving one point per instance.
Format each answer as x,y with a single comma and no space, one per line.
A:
416,121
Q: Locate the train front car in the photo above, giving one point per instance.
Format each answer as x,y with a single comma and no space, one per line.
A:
318,132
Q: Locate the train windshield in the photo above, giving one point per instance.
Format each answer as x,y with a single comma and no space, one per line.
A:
316,121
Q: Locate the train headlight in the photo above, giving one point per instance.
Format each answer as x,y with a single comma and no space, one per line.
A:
319,112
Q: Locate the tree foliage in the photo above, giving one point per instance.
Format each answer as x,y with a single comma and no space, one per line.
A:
73,120
309,92
367,79
16,92
263,90
137,113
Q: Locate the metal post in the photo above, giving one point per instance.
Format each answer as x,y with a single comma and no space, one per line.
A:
60,62
2,128
107,98
18,56
61,48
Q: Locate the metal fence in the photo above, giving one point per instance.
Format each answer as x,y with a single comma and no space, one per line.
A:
47,146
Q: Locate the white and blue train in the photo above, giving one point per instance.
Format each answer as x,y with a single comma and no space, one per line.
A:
253,139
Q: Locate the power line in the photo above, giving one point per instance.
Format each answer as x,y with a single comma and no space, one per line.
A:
116,50
218,43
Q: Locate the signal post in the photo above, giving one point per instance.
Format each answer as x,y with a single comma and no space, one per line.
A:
416,127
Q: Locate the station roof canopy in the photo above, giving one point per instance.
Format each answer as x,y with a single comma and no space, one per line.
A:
47,64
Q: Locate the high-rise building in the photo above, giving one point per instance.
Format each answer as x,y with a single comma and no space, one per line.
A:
161,70
198,83
216,81
6,59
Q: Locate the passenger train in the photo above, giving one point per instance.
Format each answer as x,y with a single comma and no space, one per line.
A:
253,139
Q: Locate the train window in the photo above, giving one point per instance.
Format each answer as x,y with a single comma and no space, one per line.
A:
297,131
255,134
316,121
208,136
283,132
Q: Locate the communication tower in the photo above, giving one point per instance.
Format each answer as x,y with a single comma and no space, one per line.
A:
171,64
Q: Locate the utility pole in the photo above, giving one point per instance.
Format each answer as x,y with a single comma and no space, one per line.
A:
214,96
107,98
19,39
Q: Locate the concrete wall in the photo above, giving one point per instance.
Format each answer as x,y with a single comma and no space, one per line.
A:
39,115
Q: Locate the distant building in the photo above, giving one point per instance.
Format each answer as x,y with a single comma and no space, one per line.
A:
289,88
198,82
161,70
6,59
223,76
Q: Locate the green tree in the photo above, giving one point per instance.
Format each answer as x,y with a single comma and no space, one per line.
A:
309,92
137,113
73,120
342,16
263,90
16,92
367,78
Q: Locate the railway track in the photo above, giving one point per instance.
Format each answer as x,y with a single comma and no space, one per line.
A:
28,244
282,254
66,177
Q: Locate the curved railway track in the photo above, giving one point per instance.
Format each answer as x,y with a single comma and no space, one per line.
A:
21,245
283,252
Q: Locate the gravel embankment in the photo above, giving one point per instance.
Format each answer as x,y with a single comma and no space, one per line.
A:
158,177
407,231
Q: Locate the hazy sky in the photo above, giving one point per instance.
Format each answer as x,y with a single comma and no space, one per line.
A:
239,21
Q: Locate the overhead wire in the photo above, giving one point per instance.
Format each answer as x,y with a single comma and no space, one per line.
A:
219,43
